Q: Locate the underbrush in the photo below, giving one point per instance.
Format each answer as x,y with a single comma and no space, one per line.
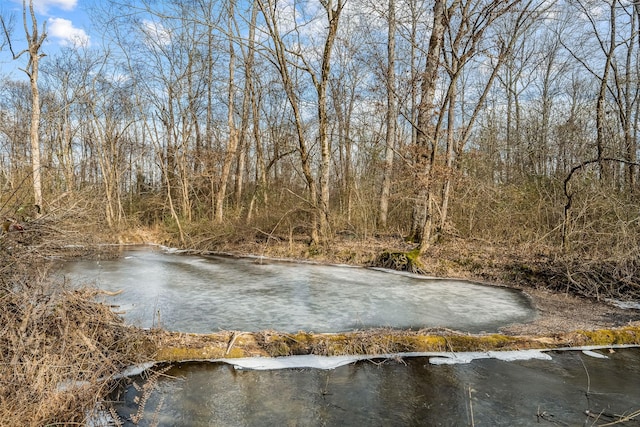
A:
59,347
600,276
60,350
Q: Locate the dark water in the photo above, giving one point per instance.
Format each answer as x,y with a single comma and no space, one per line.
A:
410,392
206,294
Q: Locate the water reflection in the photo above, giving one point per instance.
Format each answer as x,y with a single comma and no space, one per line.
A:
205,294
400,393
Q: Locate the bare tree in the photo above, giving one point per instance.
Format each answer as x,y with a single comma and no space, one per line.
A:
609,49
391,118
268,8
332,9
425,149
464,42
232,143
35,39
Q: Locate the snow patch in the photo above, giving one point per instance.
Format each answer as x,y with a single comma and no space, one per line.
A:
626,305
333,362
594,354
507,356
291,362
134,370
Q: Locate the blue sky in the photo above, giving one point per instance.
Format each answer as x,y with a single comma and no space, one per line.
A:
67,25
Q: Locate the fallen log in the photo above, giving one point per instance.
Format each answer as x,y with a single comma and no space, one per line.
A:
177,347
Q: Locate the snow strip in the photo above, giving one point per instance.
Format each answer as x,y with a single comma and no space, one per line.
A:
626,305
333,362
594,354
312,361
435,358
507,356
291,362
134,370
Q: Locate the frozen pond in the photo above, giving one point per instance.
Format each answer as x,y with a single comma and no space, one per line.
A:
205,294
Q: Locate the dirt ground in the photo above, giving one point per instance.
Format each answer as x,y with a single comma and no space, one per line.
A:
559,313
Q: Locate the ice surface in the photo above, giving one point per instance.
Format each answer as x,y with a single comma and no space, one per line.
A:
205,294
594,354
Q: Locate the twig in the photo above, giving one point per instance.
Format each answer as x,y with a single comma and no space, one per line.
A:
586,371
473,423
622,419
234,337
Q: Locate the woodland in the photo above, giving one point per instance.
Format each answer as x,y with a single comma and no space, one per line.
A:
464,129
478,138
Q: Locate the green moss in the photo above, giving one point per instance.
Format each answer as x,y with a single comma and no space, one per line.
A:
385,342
414,256
611,336
401,261
480,343
235,353
176,354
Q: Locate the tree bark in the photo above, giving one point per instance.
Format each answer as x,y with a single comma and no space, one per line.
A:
391,118
34,43
232,143
602,92
333,16
425,144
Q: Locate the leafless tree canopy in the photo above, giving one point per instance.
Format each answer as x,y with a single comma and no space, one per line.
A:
427,120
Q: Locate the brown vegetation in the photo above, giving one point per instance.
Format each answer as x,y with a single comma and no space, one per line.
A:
59,352
63,347
59,348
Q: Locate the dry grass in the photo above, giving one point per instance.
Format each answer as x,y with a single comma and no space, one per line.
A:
59,347
59,351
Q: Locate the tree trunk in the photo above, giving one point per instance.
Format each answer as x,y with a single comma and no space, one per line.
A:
391,118
425,144
232,143
333,15
35,127
602,92
260,192
34,43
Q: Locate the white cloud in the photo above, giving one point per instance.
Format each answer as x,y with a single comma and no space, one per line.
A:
156,32
64,31
43,6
